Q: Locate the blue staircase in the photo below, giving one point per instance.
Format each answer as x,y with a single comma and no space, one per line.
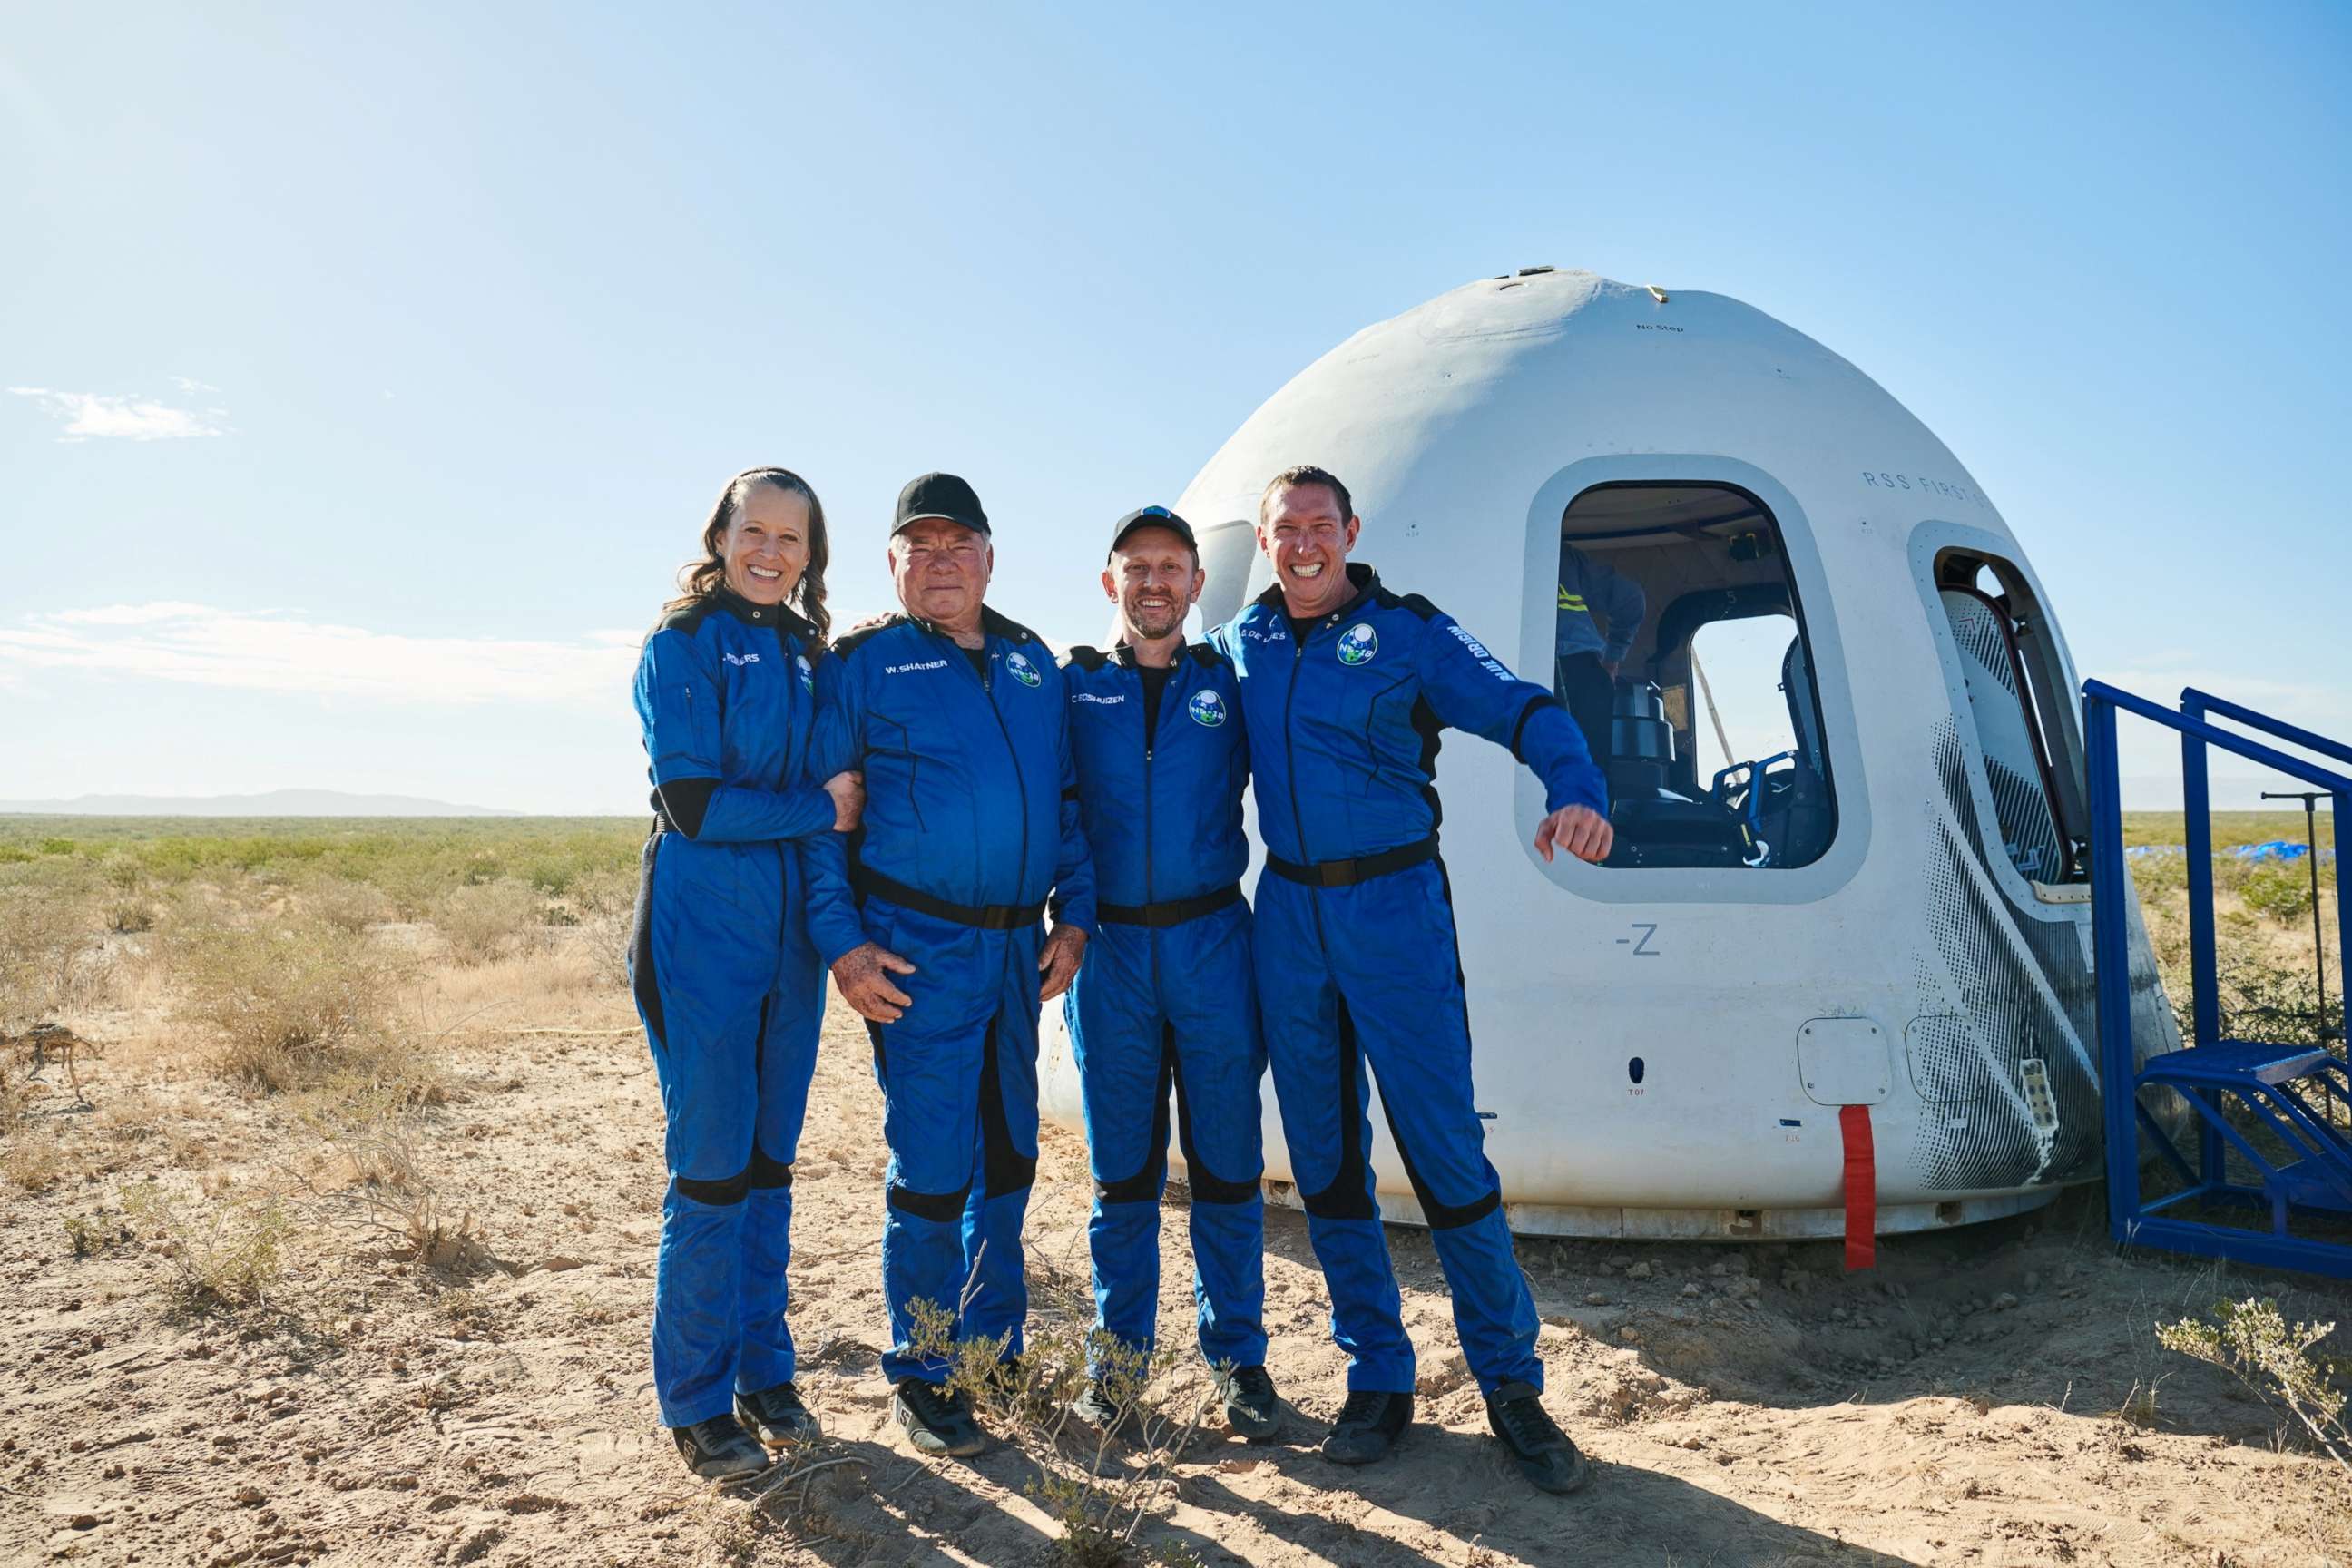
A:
2279,1112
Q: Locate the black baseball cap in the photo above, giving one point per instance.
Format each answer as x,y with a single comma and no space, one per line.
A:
943,496
1151,517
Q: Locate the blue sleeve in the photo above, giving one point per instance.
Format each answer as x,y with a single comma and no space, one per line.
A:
1469,688
835,744
1074,863
1626,606
678,700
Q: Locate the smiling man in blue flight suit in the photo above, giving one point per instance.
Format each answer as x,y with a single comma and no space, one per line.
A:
956,717
1165,997
1345,687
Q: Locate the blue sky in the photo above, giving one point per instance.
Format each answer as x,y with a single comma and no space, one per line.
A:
369,372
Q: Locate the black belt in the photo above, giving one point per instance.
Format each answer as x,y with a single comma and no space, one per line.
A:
1173,913
986,917
1348,873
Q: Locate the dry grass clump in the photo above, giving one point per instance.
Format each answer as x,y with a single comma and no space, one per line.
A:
30,1159
488,920
369,1174
285,1006
229,1253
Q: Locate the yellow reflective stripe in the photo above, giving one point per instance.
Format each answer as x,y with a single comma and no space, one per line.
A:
1568,601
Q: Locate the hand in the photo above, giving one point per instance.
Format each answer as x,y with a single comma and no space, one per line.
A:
848,792
863,976
1059,963
1579,829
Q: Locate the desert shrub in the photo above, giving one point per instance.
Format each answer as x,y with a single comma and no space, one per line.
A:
131,916
283,1005
346,904
2281,890
228,1253
1098,1485
369,1176
603,904
52,956
2252,1340
2265,999
486,920
2158,873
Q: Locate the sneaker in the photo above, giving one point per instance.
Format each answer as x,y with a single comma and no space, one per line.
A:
1096,1408
935,1421
1251,1408
1544,1454
718,1449
775,1417
1367,1426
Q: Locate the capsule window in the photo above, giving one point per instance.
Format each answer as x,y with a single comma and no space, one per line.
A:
1680,649
2026,749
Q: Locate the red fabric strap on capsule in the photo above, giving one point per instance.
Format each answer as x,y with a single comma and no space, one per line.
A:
1861,1188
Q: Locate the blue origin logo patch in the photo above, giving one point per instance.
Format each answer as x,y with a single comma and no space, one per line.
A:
1207,708
1358,644
808,676
1023,670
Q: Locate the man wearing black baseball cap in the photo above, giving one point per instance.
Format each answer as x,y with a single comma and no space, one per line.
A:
956,715
1166,997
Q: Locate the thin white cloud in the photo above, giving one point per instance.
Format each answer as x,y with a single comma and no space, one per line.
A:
201,645
99,415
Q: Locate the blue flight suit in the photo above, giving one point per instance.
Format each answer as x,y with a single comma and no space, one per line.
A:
1166,996
727,984
970,819
1356,950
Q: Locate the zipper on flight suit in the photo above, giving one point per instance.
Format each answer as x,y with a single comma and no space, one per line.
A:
1290,769
988,690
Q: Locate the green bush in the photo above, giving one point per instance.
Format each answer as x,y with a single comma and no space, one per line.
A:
2281,890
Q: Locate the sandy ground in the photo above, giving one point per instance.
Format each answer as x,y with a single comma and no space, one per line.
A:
1745,1405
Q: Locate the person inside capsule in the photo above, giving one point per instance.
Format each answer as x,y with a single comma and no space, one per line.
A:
729,989
1589,652
1343,684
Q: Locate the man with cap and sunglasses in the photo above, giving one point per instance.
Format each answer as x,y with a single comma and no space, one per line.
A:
929,918
1165,999
1346,687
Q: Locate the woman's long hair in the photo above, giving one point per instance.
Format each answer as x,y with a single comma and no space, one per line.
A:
697,579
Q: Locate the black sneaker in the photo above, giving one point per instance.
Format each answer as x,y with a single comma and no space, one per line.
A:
1545,1454
1096,1408
1367,1426
718,1449
1251,1408
776,1418
935,1421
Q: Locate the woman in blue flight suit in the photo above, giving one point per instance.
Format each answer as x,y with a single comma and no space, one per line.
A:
729,990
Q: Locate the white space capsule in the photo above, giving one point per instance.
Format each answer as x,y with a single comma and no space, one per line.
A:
1884,907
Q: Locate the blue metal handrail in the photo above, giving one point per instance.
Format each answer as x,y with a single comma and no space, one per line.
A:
2118,1066
2197,800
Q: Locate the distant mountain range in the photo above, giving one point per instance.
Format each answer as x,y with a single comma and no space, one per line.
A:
273,803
